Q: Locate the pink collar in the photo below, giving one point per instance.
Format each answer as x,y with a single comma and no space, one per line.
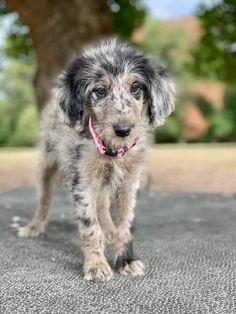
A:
107,150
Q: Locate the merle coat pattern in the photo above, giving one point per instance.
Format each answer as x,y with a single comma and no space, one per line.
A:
116,85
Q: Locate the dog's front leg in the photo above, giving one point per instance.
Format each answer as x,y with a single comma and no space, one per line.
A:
96,266
125,261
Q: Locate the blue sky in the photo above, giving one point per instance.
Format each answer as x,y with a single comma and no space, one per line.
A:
162,9
166,9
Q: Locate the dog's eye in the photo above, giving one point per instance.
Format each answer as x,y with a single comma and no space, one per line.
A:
100,92
135,89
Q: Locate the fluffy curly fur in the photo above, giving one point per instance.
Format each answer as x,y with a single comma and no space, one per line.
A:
112,83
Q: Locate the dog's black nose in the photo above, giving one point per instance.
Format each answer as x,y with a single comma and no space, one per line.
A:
122,129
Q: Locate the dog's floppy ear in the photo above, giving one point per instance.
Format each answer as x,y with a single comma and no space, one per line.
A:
71,98
161,94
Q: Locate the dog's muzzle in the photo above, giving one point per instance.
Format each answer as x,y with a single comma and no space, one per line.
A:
107,150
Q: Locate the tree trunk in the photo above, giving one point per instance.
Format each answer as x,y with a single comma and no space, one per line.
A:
59,29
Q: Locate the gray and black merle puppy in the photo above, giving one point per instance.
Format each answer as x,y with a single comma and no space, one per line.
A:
94,131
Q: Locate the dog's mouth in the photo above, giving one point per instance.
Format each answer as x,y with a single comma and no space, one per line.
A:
121,130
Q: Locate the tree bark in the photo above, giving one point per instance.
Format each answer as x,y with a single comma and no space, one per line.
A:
59,29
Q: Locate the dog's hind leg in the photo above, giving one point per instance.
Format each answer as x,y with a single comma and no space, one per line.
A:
46,172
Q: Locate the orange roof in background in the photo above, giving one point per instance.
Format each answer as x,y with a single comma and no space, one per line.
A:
211,91
190,24
194,123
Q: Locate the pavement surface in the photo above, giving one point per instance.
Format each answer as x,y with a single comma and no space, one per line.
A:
187,242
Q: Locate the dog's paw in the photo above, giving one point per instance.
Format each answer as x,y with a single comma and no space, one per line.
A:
31,230
134,268
98,270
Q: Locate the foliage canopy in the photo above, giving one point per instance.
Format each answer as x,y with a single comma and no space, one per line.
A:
127,15
215,54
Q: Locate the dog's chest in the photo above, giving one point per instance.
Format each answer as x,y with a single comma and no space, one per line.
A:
109,172
112,175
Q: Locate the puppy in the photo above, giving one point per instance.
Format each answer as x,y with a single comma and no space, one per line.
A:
94,131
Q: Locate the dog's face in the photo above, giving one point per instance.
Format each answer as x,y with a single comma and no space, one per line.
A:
118,108
122,90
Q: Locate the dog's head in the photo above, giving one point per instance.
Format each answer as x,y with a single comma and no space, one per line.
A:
121,89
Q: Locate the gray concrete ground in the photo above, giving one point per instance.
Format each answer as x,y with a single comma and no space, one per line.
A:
187,241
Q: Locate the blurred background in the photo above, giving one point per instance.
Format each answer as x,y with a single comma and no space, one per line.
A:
196,39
